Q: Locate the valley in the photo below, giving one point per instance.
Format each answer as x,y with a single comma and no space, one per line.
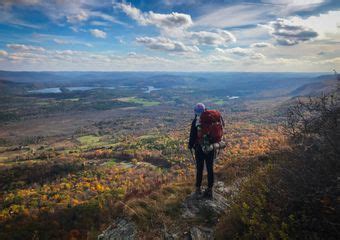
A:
78,150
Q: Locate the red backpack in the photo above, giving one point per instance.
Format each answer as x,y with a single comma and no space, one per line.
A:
211,126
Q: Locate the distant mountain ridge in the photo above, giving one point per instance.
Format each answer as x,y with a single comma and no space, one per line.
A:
324,84
250,85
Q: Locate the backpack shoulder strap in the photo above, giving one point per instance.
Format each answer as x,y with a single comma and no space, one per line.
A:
222,120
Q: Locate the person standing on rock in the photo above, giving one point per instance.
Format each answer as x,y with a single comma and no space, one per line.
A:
205,138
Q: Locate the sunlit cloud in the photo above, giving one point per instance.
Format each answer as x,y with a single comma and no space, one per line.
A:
163,21
217,38
98,33
3,53
327,25
25,48
237,15
165,44
291,6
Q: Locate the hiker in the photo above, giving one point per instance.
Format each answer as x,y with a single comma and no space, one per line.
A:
205,138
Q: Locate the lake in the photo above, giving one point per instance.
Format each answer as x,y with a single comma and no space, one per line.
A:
233,97
58,90
151,88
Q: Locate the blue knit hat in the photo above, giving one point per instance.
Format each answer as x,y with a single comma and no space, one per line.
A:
199,108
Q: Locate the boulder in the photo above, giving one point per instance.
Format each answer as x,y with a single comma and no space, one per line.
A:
121,229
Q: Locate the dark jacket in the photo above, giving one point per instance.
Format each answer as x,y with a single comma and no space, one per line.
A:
193,134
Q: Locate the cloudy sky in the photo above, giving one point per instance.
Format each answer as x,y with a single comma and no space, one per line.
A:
170,35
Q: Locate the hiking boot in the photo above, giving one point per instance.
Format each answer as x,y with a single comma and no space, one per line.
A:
208,193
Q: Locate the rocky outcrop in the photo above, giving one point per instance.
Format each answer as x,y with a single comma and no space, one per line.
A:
206,211
195,233
195,206
121,229
201,233
194,209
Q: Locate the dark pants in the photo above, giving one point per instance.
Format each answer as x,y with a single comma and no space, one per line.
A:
201,157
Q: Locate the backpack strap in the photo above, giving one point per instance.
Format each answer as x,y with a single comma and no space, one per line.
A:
222,120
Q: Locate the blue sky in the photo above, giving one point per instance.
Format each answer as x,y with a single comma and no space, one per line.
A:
170,35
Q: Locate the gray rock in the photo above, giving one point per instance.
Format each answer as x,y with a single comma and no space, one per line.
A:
207,210
121,229
200,233
171,236
192,207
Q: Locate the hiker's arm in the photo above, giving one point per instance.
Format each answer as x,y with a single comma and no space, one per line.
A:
193,134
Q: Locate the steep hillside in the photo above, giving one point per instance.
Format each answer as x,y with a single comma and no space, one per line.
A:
324,84
10,87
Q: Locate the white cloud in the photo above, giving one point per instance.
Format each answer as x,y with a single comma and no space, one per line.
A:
132,54
217,38
180,2
172,20
108,61
237,15
86,44
6,17
24,57
243,14
78,17
66,52
3,53
248,36
24,48
326,24
288,33
257,56
241,52
261,45
163,21
74,12
334,61
106,17
217,58
181,38
98,33
166,44
100,23
176,25
80,60
291,6
60,41
9,3
131,11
